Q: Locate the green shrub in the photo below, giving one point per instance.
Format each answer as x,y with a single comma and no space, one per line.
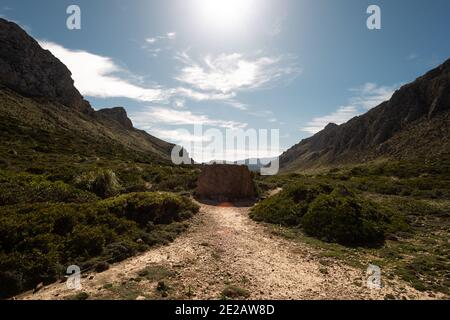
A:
37,240
28,188
331,213
103,183
344,219
288,207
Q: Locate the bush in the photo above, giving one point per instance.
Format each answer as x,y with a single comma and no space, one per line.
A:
288,207
37,240
103,183
159,208
28,188
330,213
344,219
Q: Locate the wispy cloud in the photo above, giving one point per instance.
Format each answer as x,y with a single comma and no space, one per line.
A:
341,115
151,42
178,135
98,76
202,95
238,105
167,36
370,95
364,98
412,56
164,116
228,73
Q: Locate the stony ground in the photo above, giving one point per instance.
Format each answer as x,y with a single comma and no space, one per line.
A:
225,249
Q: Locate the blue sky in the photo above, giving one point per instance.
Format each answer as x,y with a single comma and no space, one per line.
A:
292,65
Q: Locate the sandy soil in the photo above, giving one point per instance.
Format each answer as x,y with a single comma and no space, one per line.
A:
225,247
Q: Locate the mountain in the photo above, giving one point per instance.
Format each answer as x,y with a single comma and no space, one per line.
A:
413,124
42,111
253,164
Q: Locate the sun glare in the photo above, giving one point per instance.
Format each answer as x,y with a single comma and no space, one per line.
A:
225,14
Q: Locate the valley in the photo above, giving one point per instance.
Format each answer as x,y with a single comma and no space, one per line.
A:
224,254
83,187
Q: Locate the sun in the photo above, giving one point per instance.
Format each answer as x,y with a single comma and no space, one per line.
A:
225,14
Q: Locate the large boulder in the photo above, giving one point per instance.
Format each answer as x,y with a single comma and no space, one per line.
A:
220,182
28,69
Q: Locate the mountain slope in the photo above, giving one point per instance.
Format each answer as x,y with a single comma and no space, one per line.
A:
413,124
42,111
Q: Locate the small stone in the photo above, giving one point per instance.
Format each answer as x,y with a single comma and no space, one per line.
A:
40,286
141,298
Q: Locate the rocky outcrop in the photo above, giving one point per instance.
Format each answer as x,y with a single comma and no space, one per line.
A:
220,182
371,135
117,114
28,69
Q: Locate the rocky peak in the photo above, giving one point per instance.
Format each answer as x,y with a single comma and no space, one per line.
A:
117,114
331,126
367,136
31,71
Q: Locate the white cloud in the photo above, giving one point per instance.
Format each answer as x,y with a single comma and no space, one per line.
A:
98,76
201,95
159,115
364,98
412,56
238,105
178,136
179,103
167,36
371,95
151,40
342,115
171,35
233,72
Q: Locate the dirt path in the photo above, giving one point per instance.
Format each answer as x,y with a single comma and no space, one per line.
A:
224,247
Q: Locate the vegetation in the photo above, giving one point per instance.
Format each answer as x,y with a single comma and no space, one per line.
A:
38,240
333,214
394,214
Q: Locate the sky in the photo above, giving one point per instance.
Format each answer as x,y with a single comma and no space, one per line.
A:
287,65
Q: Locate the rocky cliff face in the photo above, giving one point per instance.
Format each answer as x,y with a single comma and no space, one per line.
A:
372,135
38,93
117,114
28,69
220,182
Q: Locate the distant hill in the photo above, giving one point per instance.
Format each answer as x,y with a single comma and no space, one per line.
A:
253,164
42,111
413,124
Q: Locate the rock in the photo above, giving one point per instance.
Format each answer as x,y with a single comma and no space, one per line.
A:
101,266
220,182
140,298
39,287
385,129
25,67
118,114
